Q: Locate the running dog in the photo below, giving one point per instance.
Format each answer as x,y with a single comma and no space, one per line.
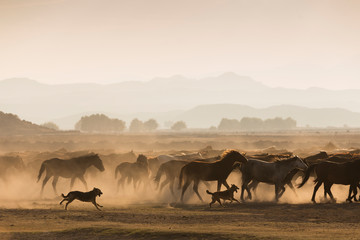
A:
225,195
82,196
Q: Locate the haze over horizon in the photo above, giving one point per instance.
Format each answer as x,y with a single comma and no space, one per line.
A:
291,44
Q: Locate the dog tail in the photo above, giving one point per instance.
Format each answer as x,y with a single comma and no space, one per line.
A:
42,169
64,195
208,192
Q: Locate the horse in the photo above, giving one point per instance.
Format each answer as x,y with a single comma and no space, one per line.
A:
72,168
154,165
191,156
171,169
330,173
287,180
8,162
209,171
137,172
295,173
269,172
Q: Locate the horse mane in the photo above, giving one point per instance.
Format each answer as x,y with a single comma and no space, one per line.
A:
90,155
228,153
288,160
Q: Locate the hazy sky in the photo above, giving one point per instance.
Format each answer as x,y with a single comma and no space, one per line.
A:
289,43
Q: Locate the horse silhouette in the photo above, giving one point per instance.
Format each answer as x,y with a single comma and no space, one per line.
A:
171,170
197,171
136,172
72,168
269,172
330,173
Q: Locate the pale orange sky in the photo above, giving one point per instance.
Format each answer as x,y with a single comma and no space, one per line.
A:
284,43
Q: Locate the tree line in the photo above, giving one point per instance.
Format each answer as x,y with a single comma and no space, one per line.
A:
256,124
102,123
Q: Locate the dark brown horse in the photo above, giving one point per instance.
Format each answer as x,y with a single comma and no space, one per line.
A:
171,170
72,168
197,171
331,173
136,172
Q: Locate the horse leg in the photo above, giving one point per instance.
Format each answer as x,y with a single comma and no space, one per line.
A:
328,190
186,185
218,186
315,190
351,189
163,184
195,188
276,192
253,185
43,184
72,182
206,184
282,190
84,182
243,187
171,186
225,184
56,178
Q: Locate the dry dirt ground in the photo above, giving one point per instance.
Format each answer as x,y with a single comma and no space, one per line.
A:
176,221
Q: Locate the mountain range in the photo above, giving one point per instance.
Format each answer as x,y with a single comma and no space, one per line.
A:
199,102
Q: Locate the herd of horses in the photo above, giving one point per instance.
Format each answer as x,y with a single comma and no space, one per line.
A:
279,170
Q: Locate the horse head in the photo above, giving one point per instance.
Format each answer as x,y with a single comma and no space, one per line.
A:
142,160
299,163
97,162
234,156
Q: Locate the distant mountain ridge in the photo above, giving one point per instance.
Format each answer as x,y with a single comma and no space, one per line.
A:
39,102
11,124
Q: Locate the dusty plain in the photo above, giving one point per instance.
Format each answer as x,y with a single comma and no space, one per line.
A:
148,214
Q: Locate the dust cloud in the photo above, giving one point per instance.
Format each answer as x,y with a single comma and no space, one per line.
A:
20,188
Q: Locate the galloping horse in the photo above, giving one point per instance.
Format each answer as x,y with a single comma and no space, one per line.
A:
214,171
330,173
72,168
171,170
136,172
269,172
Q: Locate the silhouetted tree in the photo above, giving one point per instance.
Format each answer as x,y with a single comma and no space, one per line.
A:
229,125
99,123
150,125
178,126
251,124
136,125
256,124
50,125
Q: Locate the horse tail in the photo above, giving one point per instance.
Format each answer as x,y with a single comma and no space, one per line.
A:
159,173
181,176
42,169
117,169
208,192
307,174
